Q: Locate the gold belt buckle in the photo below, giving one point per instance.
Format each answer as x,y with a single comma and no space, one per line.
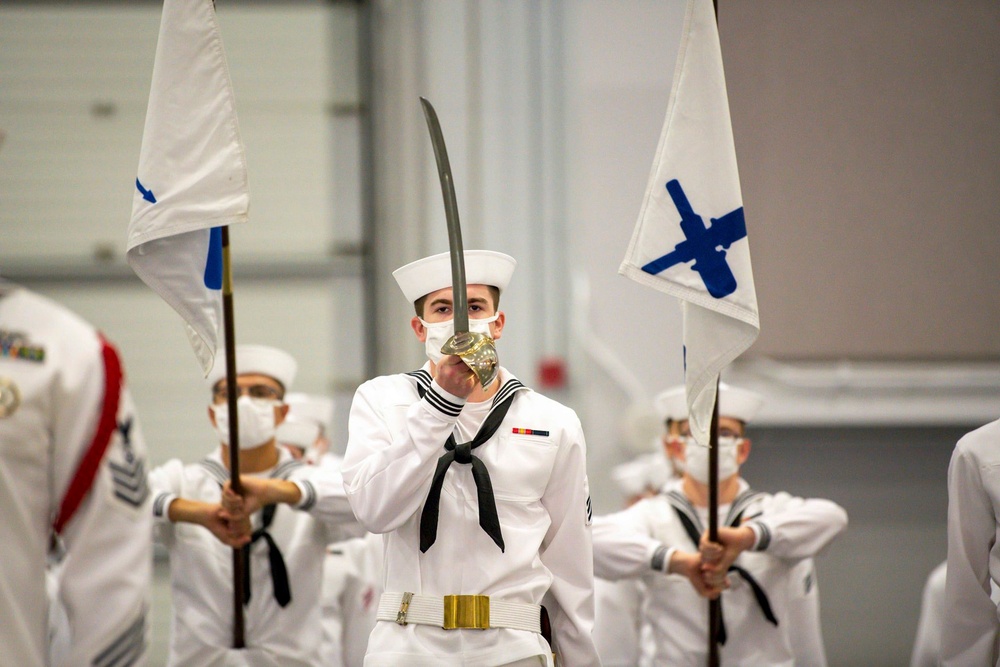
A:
466,611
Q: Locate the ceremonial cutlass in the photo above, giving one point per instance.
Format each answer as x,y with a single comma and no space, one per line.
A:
477,350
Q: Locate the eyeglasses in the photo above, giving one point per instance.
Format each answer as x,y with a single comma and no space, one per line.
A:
219,394
726,439
724,432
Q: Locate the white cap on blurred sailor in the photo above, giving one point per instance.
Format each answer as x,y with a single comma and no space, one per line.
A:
311,407
482,267
260,360
642,476
736,403
309,419
299,434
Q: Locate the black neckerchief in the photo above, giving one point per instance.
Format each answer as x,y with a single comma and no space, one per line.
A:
692,526
462,453
279,573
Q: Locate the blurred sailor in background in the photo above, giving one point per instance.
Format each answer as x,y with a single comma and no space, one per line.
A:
72,484
764,540
971,627
288,514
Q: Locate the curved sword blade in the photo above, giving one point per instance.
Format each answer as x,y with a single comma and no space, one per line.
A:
458,288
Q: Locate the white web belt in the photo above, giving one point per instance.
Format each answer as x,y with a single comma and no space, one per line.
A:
459,611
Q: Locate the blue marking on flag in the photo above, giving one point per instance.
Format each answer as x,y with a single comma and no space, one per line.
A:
146,194
213,263
701,244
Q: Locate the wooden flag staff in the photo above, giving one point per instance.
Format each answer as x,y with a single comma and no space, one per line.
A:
714,606
240,563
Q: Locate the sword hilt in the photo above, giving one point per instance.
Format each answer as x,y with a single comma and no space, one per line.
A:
478,351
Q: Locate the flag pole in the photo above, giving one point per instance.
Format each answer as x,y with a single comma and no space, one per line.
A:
232,394
714,606
696,146
175,234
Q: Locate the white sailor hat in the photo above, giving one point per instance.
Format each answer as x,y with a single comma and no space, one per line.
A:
482,267
311,408
259,359
649,471
736,403
297,433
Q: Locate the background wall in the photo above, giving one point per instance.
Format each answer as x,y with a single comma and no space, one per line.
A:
892,482
868,152
867,139
73,93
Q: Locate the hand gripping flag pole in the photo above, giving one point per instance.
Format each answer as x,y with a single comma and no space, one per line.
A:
191,185
691,240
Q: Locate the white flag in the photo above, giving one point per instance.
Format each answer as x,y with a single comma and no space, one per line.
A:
192,177
691,238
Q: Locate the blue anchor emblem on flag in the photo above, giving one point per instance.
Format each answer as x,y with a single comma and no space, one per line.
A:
701,245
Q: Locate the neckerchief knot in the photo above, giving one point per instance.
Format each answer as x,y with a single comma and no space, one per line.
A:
463,454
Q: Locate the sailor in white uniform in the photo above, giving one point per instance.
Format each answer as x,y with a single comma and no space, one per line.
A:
618,632
481,495
927,645
971,629
306,428
352,572
764,539
72,464
289,513
352,585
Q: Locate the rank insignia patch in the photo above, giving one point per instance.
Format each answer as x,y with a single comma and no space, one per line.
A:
10,397
129,476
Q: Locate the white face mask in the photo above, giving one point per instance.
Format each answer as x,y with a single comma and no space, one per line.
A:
256,416
438,334
696,458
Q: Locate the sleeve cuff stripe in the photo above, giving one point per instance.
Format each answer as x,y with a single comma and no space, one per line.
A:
765,536
309,495
659,558
161,502
442,405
